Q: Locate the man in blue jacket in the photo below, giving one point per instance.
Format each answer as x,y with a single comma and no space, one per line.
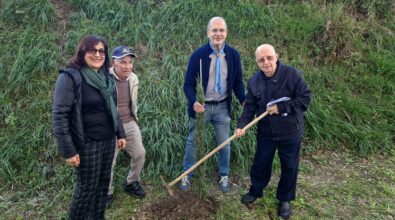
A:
281,130
221,71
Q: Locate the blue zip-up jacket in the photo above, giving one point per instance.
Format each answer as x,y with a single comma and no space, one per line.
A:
286,82
234,80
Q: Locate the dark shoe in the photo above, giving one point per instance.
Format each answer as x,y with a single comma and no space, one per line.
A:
109,202
284,210
248,199
134,188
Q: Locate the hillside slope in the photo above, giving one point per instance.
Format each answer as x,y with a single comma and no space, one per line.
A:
345,49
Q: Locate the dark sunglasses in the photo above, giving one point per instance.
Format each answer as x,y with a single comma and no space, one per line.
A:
93,51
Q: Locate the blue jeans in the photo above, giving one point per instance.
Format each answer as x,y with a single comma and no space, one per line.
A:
218,116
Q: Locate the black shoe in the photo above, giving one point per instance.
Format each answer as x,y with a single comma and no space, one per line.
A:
248,199
134,188
284,210
109,202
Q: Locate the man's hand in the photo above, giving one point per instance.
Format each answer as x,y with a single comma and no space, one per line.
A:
121,143
273,109
239,132
197,107
74,161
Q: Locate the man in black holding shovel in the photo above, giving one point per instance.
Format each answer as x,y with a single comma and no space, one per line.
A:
280,90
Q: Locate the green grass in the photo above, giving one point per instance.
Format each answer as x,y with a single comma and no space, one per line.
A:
345,49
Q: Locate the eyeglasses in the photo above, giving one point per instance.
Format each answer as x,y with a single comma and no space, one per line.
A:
264,59
220,30
93,51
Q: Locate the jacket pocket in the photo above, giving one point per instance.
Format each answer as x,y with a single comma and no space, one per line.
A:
284,125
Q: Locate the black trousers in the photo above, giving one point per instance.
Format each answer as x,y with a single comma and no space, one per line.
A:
262,166
93,179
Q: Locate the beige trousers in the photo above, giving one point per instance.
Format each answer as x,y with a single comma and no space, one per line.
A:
135,149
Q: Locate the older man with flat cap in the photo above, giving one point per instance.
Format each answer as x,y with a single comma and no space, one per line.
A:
281,130
127,84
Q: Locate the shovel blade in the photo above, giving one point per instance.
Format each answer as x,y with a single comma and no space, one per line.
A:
168,188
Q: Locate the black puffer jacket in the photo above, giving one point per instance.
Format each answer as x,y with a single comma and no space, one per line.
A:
67,121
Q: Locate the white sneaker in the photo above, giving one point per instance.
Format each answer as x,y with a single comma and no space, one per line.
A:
185,184
224,184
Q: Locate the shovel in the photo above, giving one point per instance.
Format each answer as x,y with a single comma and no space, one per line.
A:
172,183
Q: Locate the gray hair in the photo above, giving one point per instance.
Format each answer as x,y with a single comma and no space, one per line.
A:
216,18
118,60
265,46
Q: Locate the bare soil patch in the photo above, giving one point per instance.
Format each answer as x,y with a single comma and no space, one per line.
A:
62,12
186,205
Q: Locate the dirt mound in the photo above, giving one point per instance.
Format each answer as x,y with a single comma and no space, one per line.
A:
187,205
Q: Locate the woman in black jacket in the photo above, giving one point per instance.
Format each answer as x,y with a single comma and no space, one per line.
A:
86,124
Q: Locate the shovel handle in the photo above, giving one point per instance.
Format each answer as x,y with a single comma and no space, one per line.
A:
215,150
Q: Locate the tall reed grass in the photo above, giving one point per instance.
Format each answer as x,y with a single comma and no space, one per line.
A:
344,48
